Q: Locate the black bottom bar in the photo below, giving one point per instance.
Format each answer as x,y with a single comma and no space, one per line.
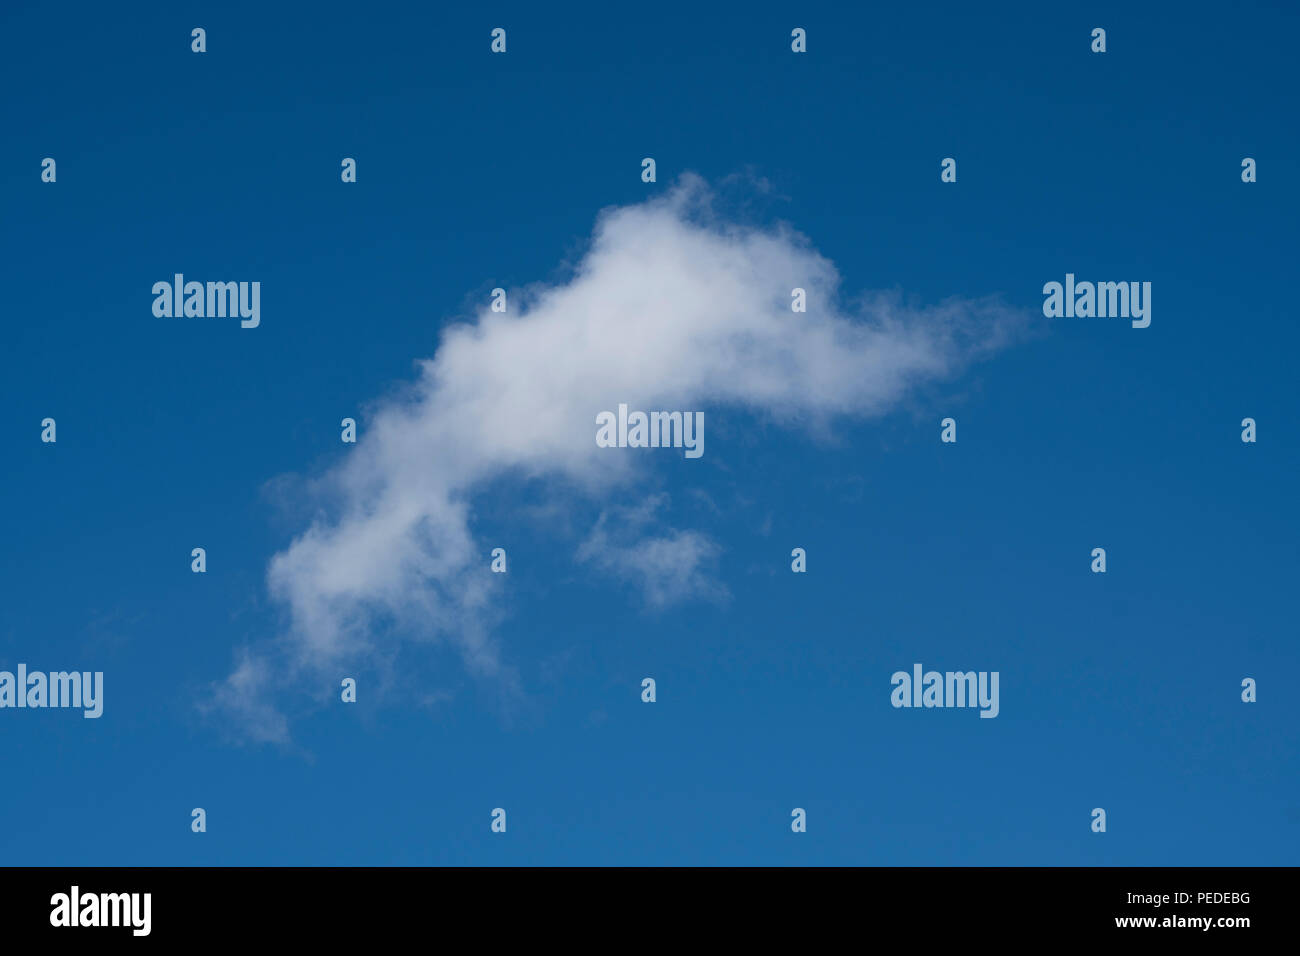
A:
667,907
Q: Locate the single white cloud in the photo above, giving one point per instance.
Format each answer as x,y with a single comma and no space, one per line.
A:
243,701
669,566
671,308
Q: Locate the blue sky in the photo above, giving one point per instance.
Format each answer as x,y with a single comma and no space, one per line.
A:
476,171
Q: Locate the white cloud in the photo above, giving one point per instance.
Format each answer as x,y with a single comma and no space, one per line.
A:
669,567
243,700
670,308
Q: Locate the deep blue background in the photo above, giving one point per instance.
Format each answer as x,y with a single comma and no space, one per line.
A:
1120,691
